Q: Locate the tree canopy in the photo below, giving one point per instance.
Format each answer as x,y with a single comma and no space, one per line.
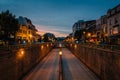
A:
8,25
48,37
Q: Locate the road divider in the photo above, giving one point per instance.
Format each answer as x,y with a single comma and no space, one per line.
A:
60,65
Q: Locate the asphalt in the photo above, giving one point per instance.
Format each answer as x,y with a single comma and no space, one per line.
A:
72,68
47,69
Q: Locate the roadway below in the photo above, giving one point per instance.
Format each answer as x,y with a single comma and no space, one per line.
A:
72,68
47,69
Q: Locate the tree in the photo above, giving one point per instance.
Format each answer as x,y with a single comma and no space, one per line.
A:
8,26
48,37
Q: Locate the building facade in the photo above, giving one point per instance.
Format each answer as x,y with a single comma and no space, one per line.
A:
104,32
99,29
89,30
113,23
27,31
77,26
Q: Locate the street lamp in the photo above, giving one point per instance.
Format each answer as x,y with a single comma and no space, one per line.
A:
42,46
47,45
89,34
84,32
60,45
75,46
60,53
60,65
84,36
21,53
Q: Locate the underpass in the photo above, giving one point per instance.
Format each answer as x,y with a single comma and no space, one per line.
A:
72,68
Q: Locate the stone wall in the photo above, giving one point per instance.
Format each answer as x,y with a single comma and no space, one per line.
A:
105,63
20,60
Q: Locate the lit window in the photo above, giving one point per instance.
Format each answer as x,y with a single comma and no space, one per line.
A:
110,31
115,30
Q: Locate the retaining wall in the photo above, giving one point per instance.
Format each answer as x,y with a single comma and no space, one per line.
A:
17,61
105,63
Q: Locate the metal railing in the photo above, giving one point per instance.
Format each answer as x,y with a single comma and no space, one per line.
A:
103,46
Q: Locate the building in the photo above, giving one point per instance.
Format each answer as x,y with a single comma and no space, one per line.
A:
77,26
27,31
104,32
99,29
89,30
113,23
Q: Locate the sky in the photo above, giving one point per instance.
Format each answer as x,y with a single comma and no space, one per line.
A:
57,16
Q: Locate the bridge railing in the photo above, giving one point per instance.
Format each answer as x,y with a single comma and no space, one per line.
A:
103,46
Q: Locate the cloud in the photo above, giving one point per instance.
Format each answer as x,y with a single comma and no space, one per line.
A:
52,29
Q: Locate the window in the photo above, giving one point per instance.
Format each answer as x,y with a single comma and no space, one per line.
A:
118,9
110,22
115,20
28,32
20,31
106,29
115,30
110,31
113,12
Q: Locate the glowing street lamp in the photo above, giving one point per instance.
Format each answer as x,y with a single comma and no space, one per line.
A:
75,46
30,36
21,55
22,52
89,34
42,47
47,45
84,32
60,45
60,53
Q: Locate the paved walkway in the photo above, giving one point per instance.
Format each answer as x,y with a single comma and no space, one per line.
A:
73,69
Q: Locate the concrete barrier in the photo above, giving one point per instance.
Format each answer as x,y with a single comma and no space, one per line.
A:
104,62
20,60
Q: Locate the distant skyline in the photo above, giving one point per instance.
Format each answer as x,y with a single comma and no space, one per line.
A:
58,16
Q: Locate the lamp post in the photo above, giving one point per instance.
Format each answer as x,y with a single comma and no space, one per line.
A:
89,35
60,65
84,37
21,54
60,62
60,53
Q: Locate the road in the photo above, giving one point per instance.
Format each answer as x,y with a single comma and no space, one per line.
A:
47,69
73,69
